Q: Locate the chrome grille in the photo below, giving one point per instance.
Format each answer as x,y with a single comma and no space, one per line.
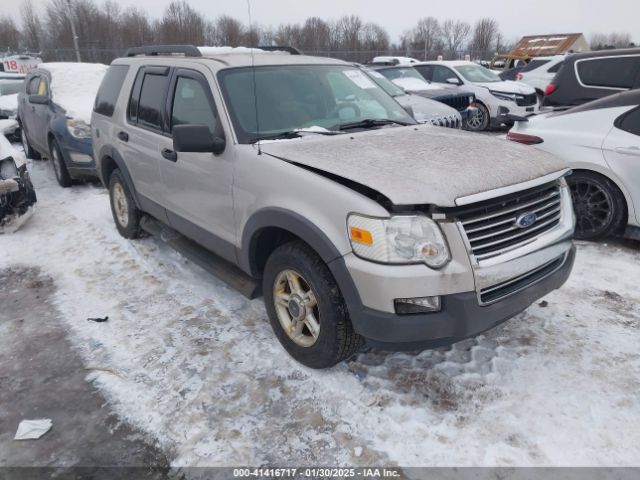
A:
491,226
450,121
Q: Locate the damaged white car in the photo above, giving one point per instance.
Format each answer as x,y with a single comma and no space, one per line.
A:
17,195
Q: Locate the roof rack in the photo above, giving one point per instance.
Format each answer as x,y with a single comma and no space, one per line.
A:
155,50
289,50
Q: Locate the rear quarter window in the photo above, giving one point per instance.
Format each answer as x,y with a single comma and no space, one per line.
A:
109,90
613,72
630,122
533,64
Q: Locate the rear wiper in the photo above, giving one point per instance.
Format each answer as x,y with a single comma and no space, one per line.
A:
370,123
294,134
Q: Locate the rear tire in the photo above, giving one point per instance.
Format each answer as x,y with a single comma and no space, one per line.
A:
599,205
123,208
480,121
306,309
26,146
59,167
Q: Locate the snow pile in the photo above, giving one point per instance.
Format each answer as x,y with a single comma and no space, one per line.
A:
7,150
198,367
206,51
74,86
9,103
8,126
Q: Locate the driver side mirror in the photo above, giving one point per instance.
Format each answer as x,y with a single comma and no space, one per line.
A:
197,139
38,100
454,81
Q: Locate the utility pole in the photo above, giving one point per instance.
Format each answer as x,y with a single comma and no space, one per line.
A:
73,32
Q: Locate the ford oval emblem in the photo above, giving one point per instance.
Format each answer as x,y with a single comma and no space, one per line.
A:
526,219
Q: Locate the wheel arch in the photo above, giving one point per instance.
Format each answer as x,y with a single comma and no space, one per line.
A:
269,228
615,180
110,160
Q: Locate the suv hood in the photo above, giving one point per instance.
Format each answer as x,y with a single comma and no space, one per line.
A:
509,86
419,164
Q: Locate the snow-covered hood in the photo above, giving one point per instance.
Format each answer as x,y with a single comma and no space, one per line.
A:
8,151
509,86
74,86
410,84
420,164
9,103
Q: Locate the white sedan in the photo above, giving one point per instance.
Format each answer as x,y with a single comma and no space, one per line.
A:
491,92
600,141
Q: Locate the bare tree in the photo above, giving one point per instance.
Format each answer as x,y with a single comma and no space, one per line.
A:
229,31
182,24
425,37
348,30
455,34
484,37
9,34
31,27
314,35
601,41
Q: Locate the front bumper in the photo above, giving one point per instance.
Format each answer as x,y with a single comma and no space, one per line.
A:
461,316
514,109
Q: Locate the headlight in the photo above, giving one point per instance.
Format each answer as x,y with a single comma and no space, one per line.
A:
78,128
504,96
401,239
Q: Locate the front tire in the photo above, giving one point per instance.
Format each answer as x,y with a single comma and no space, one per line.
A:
123,208
59,167
306,309
599,205
480,121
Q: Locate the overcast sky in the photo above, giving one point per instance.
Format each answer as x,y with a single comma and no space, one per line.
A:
516,17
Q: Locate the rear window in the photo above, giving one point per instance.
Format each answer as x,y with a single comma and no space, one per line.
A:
614,72
630,122
556,68
533,64
110,89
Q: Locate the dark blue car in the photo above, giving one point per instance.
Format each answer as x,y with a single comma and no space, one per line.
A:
54,109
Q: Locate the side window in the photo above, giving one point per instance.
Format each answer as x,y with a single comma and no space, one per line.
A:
426,71
42,88
614,72
32,87
441,74
192,104
109,90
630,122
556,68
148,97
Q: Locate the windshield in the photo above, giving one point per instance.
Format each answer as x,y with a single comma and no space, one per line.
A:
477,74
401,72
384,83
293,97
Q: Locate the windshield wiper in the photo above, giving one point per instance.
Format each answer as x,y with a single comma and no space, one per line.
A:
294,134
371,123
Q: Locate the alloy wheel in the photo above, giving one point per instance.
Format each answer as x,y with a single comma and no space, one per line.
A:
296,306
120,205
593,207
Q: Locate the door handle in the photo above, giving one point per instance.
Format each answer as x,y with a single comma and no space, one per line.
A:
169,155
629,150
124,136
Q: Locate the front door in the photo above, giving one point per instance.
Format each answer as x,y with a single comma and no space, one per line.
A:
198,186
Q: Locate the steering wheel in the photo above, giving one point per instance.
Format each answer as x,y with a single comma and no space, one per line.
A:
342,106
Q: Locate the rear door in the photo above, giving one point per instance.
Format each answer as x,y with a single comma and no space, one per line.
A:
145,135
27,110
622,152
41,113
197,186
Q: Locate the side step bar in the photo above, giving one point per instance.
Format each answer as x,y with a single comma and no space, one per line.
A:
224,270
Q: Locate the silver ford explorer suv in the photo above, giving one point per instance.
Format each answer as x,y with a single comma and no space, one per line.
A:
299,179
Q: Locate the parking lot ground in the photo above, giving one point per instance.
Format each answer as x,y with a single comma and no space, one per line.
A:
42,376
195,365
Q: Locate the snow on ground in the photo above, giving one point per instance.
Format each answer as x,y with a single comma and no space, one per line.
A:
74,86
9,103
196,365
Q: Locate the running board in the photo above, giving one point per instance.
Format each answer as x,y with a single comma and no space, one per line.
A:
221,268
